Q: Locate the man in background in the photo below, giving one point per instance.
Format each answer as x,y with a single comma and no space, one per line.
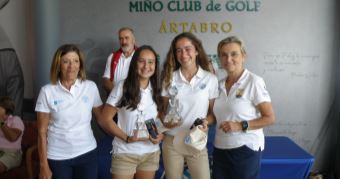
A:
118,62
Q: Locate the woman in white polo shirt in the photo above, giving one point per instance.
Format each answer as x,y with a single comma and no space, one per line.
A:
135,100
186,70
242,109
64,110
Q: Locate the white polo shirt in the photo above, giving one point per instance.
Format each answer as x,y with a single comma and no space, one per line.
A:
193,96
122,68
127,120
240,105
69,131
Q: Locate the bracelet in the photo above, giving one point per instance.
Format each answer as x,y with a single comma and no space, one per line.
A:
127,139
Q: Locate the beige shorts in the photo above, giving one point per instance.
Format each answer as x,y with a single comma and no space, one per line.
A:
128,164
10,158
198,164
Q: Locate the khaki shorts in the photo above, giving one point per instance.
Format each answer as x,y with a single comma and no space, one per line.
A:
198,164
10,158
128,164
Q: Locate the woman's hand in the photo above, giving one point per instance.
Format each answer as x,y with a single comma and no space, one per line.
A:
204,127
170,125
158,139
135,138
45,173
230,126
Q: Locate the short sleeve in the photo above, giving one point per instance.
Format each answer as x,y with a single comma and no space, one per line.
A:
261,93
107,72
97,101
16,122
42,102
213,90
116,94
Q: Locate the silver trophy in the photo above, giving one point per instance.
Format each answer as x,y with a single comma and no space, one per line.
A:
140,128
173,117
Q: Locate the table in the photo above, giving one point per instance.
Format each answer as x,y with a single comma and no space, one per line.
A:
283,158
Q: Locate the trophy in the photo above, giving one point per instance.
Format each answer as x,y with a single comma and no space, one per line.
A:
173,117
140,128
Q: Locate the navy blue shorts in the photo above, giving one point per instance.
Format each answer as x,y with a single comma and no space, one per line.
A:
237,163
83,166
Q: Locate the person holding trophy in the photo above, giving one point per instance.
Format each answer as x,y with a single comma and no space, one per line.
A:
136,101
188,93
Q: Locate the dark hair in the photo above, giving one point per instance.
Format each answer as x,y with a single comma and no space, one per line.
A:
8,104
171,63
131,88
55,72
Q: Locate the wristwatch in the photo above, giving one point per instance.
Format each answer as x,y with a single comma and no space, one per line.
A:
244,125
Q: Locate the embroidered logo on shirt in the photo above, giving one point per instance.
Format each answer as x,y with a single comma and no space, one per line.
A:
57,101
202,86
239,93
85,99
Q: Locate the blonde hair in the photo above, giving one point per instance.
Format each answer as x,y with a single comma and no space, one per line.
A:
231,39
55,71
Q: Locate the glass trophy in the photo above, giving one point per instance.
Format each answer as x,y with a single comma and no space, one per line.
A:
140,128
173,117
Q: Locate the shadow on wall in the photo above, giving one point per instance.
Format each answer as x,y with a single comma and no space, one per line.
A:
95,61
11,75
3,3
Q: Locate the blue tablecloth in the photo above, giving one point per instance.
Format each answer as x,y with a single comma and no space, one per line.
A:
281,159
